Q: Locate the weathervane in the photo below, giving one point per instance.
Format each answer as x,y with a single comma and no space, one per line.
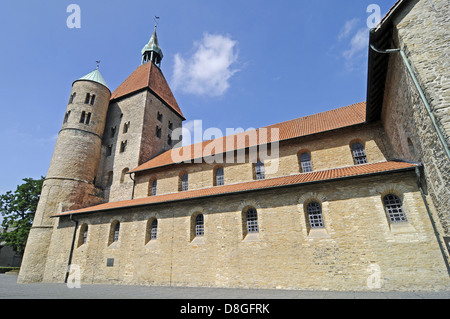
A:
98,63
156,21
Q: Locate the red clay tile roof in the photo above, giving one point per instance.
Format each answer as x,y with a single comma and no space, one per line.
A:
319,176
148,76
322,122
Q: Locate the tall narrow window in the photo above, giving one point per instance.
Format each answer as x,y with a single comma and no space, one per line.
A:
394,209
114,232
359,154
159,117
92,101
83,235
126,126
252,220
259,171
123,146
124,172
315,217
113,131
83,117
72,97
87,99
88,118
66,117
219,177
305,161
153,187
199,226
184,182
158,132
169,140
109,150
154,229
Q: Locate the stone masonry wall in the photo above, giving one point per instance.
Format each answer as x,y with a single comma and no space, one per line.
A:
422,31
328,150
358,250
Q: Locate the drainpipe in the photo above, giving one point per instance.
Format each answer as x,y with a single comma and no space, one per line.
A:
134,185
436,233
421,93
71,248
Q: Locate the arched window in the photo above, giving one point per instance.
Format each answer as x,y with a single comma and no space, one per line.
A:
259,171
394,209
82,239
66,117
72,97
251,217
88,98
92,99
114,232
305,163
219,177
315,218
184,182
359,153
152,187
199,226
124,172
154,229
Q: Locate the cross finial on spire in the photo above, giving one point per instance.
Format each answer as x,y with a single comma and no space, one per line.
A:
98,63
156,21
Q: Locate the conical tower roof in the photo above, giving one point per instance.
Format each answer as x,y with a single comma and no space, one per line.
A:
94,76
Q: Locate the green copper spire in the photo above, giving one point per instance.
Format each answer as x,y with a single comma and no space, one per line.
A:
152,52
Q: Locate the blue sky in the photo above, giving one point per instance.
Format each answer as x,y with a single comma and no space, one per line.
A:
230,63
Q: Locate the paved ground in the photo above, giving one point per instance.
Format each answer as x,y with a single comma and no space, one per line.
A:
9,289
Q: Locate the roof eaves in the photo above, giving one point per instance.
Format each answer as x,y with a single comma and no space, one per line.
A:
325,180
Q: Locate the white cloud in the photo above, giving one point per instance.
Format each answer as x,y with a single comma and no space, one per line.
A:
208,71
347,28
358,43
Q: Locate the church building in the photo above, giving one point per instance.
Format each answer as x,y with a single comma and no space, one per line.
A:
352,199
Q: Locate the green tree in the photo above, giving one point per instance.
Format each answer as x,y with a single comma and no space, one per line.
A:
18,211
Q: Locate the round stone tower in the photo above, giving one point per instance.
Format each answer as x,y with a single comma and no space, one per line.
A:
70,180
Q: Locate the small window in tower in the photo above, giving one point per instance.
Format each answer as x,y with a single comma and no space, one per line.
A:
88,98
170,125
88,118
160,117
169,140
66,117
72,97
83,117
126,126
109,150
113,131
123,146
158,132
92,99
